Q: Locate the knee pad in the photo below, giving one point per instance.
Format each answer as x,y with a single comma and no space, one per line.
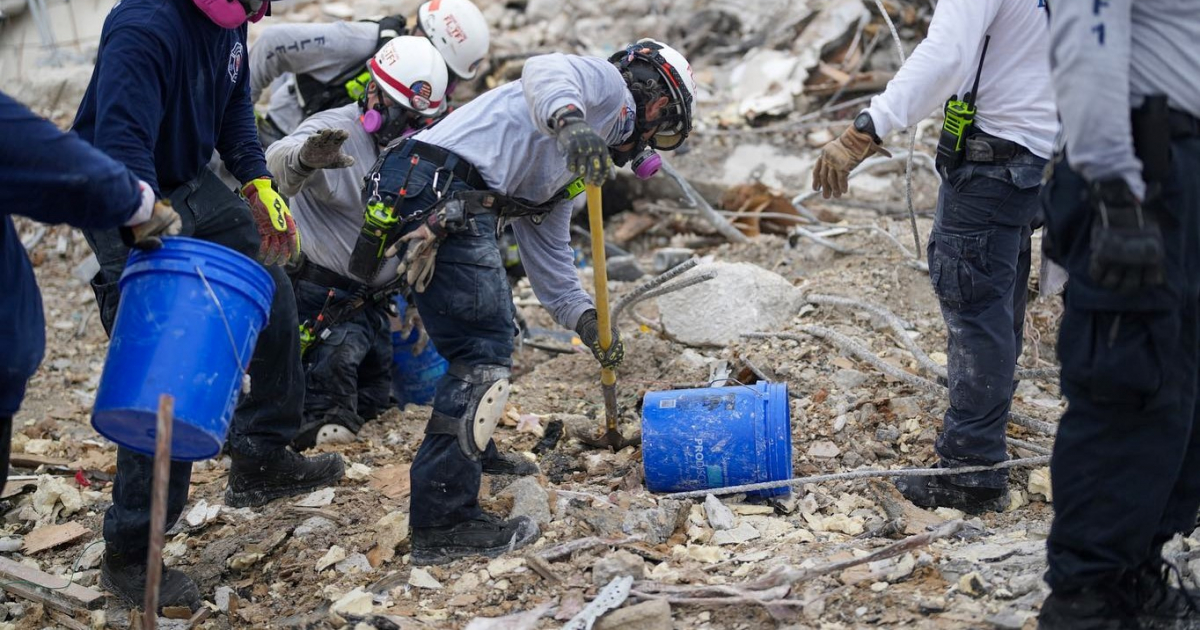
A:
485,389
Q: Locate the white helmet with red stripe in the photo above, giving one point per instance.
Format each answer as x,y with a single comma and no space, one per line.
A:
410,71
459,31
651,66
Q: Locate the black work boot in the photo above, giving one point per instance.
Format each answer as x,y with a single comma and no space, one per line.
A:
508,464
1102,608
940,491
484,536
1161,604
284,473
125,577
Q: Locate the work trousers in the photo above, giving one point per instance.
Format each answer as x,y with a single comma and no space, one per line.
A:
348,373
1126,465
265,420
467,311
979,259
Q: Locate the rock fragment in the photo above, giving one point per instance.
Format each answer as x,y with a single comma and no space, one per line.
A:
616,565
718,514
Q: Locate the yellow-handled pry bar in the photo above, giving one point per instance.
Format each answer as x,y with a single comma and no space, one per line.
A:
608,378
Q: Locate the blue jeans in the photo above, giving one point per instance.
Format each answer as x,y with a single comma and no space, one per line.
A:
979,261
467,311
1126,463
266,419
348,375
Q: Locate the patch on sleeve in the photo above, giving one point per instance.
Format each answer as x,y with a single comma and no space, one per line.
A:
235,61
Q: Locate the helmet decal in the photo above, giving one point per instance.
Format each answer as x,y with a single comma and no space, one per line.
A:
421,91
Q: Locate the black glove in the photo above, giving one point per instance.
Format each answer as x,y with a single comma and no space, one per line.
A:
588,329
587,155
1127,252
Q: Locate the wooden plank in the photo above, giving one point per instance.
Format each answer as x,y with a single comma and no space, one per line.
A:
37,586
50,536
67,621
25,460
19,485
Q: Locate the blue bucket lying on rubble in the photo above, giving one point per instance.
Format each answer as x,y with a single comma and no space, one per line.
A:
189,317
716,437
416,371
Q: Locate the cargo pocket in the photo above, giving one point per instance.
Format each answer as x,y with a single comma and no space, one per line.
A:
958,268
469,282
1118,357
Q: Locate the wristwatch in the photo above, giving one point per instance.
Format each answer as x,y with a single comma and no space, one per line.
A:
863,123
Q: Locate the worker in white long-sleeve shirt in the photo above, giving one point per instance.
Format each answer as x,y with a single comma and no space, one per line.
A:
316,67
1123,216
979,251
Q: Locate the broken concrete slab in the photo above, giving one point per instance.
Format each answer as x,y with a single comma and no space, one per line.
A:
529,499
421,578
736,536
616,565
320,498
718,514
741,298
356,602
657,523
823,449
651,615
390,531
314,526
335,555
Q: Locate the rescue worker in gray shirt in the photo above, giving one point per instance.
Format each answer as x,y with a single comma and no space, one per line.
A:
322,166
512,154
1122,212
315,67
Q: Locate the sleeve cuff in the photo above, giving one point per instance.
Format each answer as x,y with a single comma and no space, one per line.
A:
146,209
883,125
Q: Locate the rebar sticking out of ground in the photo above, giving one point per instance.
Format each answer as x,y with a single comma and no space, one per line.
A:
1028,462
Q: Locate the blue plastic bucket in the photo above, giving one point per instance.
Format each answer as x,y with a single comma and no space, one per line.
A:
189,317
715,437
414,376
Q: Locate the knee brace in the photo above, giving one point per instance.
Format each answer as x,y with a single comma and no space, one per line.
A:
484,390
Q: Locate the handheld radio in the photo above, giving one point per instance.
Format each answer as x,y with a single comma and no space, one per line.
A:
960,118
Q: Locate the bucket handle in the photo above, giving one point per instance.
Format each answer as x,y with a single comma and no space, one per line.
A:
228,331
734,380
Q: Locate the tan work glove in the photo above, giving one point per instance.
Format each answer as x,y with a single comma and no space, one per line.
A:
164,221
831,175
419,259
324,150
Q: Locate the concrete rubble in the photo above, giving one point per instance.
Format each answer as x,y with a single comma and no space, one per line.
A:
340,557
750,298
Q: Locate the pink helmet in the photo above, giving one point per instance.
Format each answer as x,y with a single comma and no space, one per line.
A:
233,13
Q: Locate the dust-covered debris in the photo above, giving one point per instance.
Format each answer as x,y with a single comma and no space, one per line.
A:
755,138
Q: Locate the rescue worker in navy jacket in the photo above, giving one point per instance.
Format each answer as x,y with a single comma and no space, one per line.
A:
170,86
53,177
1123,217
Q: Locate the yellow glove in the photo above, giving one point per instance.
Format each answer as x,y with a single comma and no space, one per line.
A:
831,175
280,238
